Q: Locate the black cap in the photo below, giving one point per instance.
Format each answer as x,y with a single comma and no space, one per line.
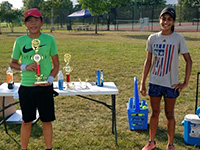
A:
170,11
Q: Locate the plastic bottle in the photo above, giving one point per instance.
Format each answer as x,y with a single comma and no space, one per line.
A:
9,75
60,80
101,77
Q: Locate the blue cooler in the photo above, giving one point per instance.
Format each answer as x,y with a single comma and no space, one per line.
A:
192,129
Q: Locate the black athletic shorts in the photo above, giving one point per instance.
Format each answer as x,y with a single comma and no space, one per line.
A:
157,91
37,98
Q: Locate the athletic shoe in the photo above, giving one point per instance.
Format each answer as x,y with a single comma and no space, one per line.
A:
149,146
170,147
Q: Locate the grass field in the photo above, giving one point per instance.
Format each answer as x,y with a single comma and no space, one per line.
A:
86,125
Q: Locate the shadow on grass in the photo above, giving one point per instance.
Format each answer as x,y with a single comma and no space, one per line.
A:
18,144
79,33
191,39
35,133
144,37
36,130
14,34
161,135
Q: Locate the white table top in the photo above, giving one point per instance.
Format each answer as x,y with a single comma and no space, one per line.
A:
4,91
77,88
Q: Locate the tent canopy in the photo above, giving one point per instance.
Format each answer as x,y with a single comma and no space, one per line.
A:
84,13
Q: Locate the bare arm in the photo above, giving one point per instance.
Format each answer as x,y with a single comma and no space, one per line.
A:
15,65
56,64
146,69
188,69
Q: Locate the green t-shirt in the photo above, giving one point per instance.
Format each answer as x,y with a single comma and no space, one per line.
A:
23,50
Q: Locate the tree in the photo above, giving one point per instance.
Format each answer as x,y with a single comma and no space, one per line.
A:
100,7
1,12
5,6
143,4
12,17
188,9
9,15
50,9
28,4
65,9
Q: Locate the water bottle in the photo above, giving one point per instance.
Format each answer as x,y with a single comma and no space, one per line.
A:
9,78
9,75
101,77
60,80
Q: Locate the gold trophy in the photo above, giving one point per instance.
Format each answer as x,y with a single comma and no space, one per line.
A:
67,68
37,58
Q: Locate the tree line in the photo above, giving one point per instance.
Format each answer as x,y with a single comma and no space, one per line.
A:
58,10
14,17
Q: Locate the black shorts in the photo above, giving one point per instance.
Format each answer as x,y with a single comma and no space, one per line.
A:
157,91
37,98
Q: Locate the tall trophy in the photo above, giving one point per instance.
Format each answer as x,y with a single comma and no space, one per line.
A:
67,68
37,58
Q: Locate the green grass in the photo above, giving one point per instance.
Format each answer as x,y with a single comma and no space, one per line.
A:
86,125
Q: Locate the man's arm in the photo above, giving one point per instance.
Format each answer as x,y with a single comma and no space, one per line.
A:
56,64
15,65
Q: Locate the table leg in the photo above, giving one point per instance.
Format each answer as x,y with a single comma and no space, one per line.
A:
4,118
114,124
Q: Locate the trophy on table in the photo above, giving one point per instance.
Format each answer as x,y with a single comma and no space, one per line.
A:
67,68
37,58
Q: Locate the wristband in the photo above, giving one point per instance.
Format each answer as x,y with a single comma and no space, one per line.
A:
23,67
50,79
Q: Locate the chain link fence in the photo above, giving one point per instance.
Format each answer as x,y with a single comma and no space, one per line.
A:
143,18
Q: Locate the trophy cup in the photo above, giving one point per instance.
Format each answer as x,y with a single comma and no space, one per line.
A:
37,58
67,68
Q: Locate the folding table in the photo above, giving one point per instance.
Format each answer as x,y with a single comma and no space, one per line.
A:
80,89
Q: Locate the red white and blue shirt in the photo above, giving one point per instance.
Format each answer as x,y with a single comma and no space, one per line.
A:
165,51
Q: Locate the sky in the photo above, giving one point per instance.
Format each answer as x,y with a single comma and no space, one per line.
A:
19,4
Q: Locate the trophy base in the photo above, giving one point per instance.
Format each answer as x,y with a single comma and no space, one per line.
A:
40,82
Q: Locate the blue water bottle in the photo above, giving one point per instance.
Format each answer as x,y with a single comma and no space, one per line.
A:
101,77
60,80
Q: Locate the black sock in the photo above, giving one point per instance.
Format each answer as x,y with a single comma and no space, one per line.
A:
49,149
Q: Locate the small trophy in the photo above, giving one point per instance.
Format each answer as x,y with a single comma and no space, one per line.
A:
37,58
67,68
